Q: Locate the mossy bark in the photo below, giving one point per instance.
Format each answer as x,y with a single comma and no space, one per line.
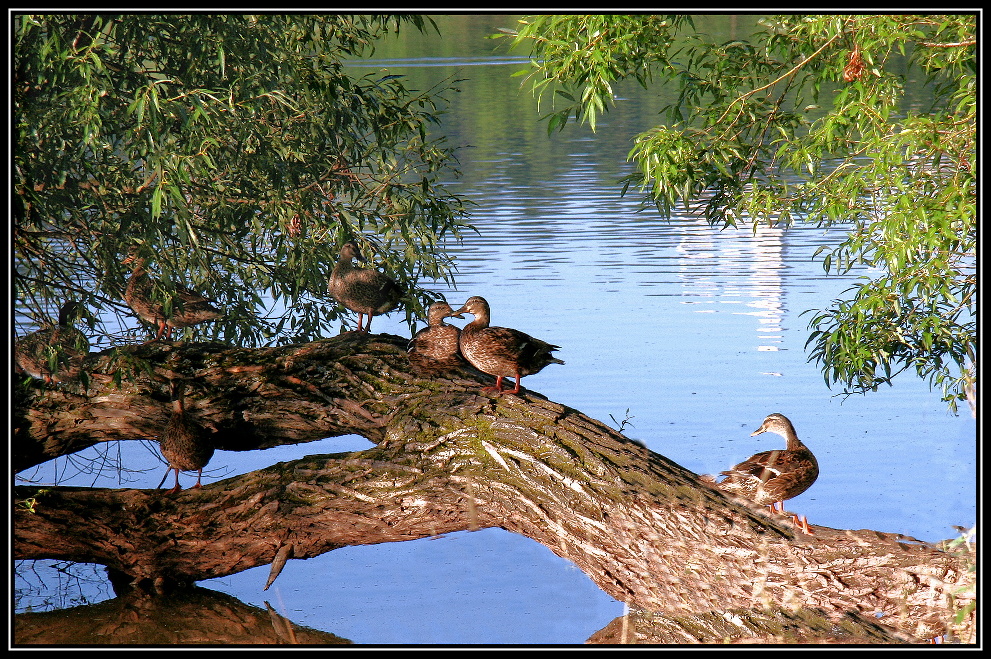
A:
446,458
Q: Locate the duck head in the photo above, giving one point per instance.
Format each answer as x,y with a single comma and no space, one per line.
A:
476,306
776,423
350,250
438,311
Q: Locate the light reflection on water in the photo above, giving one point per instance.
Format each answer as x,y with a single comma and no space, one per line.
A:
696,334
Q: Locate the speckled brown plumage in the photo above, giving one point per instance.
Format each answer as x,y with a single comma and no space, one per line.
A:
365,291
501,351
184,445
771,477
435,348
189,308
34,353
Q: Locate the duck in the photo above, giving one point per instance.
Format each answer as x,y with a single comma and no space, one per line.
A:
184,445
501,351
189,308
772,477
365,291
436,347
63,346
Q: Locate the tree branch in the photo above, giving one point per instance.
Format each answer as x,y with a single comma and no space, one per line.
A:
447,458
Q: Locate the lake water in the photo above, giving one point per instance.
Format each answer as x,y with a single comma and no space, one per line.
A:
690,334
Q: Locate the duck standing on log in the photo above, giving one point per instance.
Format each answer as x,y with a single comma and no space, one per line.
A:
185,445
772,477
365,291
189,308
501,351
435,348
55,354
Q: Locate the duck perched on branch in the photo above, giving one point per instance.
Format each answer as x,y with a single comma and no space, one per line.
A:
436,348
772,477
501,351
189,308
184,444
54,354
365,291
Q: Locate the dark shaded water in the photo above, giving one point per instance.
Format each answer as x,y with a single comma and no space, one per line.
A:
691,334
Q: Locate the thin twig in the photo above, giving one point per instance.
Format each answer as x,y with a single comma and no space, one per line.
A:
958,44
781,77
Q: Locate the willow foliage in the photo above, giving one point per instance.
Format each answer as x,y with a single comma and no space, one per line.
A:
808,120
238,148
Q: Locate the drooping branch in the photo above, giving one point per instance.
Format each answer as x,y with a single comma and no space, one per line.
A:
446,458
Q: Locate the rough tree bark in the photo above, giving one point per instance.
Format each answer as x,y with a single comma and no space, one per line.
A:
446,458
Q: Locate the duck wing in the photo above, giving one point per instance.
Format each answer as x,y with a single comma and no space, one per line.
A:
507,342
509,346
784,473
367,289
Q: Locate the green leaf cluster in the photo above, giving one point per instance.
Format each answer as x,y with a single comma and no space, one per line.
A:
578,58
238,149
811,119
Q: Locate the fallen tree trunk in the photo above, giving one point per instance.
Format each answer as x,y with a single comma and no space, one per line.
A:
446,458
